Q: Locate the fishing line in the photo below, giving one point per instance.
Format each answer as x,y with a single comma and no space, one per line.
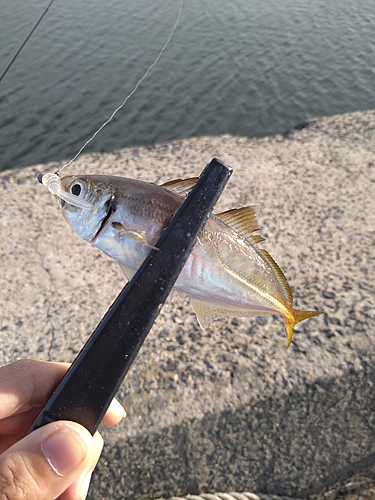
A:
129,95
17,49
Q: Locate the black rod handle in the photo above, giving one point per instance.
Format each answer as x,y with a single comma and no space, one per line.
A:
93,379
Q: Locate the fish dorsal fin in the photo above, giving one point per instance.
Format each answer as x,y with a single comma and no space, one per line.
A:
255,238
182,187
280,275
243,221
206,313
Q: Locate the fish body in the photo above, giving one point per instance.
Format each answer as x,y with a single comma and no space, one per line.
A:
227,274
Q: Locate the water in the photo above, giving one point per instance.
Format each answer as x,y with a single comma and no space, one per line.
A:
244,67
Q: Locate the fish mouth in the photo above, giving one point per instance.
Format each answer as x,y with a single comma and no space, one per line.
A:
111,205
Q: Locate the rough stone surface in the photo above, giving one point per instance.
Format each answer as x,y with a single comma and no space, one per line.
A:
226,409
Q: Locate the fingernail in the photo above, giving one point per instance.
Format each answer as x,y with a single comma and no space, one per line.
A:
117,407
85,486
65,449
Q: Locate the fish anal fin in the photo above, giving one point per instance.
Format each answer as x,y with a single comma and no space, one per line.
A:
244,221
280,275
182,187
206,313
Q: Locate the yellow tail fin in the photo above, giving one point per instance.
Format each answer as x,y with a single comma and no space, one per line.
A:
296,317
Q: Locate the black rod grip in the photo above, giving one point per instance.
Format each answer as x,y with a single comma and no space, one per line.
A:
93,379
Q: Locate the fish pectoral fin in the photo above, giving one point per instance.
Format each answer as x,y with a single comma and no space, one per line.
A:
243,221
139,236
182,187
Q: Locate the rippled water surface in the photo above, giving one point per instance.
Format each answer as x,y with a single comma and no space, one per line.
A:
243,67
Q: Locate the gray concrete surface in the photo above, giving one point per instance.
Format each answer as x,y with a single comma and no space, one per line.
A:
226,409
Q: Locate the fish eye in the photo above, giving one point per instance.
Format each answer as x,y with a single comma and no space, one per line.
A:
76,189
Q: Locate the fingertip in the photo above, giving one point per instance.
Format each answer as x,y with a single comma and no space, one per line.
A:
117,409
85,485
115,413
79,489
98,441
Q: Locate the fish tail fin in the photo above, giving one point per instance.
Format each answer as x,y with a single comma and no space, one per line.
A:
295,317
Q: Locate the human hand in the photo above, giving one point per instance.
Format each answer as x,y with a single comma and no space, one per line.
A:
54,461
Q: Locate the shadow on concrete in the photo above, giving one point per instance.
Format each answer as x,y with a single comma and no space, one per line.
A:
301,445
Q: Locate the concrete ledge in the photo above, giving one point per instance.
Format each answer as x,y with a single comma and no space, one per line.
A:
227,409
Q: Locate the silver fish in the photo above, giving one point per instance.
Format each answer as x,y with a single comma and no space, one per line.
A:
227,274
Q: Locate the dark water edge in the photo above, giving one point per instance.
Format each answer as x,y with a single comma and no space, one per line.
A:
245,68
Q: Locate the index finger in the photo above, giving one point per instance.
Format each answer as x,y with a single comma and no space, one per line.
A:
26,384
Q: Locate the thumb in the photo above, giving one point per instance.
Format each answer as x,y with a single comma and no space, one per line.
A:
46,462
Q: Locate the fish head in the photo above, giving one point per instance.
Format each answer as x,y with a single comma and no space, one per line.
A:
98,197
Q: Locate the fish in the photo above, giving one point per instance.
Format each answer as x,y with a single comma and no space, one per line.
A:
227,273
